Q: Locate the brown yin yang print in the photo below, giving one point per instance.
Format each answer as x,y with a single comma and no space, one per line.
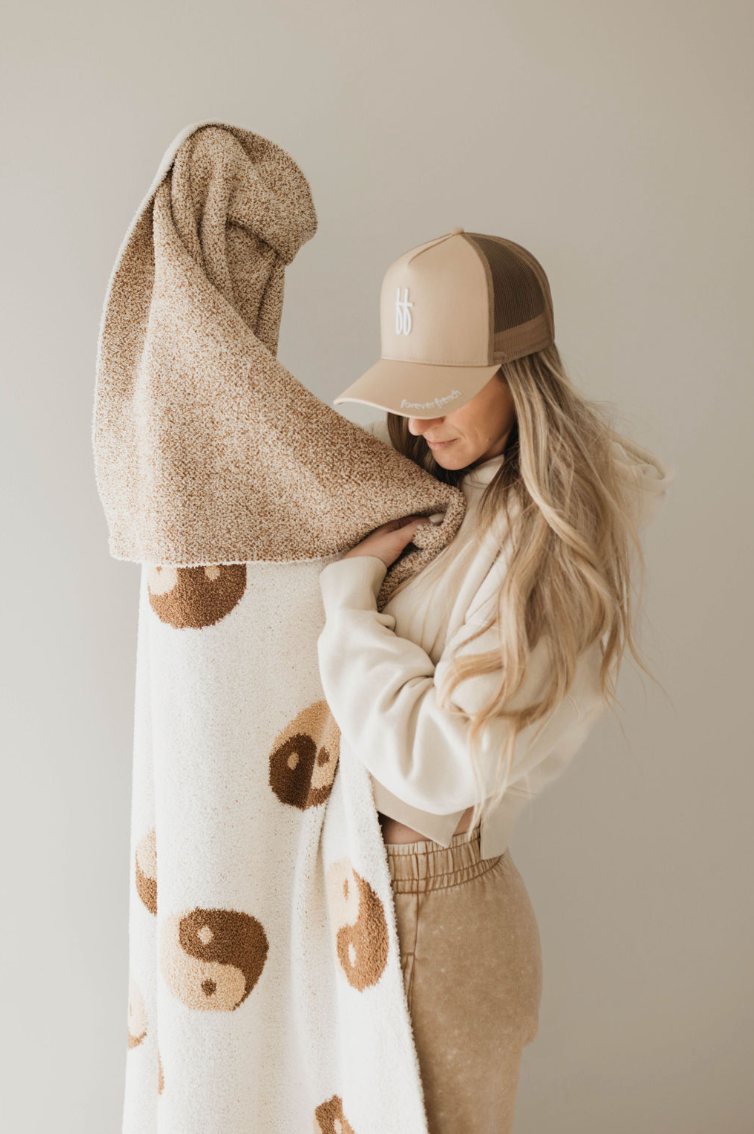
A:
145,870
358,924
194,597
330,1119
212,958
137,1015
304,757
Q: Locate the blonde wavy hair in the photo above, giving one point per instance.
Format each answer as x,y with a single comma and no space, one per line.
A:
576,569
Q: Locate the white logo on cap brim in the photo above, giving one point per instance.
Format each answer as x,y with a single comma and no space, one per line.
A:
405,404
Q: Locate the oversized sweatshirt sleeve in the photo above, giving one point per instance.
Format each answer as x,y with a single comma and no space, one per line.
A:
383,691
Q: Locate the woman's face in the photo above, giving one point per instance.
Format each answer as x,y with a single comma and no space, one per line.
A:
475,432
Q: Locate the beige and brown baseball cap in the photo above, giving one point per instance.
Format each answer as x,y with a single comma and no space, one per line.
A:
451,311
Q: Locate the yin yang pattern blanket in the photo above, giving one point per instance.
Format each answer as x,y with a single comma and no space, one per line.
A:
265,991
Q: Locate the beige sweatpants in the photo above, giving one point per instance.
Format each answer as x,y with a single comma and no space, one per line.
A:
472,969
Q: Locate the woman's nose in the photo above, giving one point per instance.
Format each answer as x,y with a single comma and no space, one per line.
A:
419,425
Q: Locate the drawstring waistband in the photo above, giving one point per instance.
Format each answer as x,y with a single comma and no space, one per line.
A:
426,865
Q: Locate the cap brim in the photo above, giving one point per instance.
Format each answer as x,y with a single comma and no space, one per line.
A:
417,389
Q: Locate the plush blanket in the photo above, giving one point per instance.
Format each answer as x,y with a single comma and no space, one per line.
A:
265,987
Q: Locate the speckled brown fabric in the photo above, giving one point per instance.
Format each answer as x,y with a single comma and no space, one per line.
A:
472,970
207,450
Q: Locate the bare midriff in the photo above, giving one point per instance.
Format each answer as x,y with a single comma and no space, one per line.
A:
393,831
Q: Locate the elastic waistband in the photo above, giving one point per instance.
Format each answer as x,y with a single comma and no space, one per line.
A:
426,865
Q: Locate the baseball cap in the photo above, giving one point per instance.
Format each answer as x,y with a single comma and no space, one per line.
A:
451,311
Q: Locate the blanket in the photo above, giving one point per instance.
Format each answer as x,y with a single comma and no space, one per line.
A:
265,992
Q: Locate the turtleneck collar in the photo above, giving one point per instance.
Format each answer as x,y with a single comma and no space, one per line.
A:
482,474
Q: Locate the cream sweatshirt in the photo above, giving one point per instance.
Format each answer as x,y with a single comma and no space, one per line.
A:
382,672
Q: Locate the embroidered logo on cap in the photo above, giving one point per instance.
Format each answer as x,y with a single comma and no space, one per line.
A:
439,402
403,321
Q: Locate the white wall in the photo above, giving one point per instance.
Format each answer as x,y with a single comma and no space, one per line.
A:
614,141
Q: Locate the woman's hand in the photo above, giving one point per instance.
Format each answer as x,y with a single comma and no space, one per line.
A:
389,540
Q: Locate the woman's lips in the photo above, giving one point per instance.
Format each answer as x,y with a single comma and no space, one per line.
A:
441,444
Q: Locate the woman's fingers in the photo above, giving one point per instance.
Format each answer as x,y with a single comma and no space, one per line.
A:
402,522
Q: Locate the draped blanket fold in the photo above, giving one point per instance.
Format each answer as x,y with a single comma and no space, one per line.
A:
265,985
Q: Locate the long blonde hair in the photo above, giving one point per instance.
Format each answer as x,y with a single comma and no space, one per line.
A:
573,544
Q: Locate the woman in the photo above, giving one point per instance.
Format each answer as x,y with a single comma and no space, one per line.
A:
478,681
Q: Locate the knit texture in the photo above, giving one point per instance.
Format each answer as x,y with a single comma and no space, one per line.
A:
265,982
206,448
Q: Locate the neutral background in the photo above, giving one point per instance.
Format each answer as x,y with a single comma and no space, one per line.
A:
614,141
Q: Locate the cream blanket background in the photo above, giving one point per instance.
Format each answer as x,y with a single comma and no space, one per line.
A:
265,986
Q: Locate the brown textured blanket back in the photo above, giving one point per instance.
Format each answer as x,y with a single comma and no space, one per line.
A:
207,449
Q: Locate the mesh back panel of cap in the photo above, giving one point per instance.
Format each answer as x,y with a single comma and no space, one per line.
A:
517,294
